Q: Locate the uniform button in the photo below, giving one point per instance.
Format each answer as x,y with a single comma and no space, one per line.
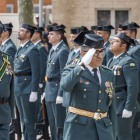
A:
110,122
99,101
57,48
53,63
77,73
75,120
118,97
99,91
48,63
98,110
47,69
16,58
43,81
84,89
96,119
134,107
38,88
15,64
56,84
25,79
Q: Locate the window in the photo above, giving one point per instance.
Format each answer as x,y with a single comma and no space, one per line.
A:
10,8
113,17
36,8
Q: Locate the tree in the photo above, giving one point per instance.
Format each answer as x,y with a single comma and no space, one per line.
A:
25,12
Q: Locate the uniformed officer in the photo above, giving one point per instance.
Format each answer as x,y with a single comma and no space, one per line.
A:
27,72
6,93
7,44
130,30
53,94
94,28
119,28
37,39
91,114
105,32
126,85
73,58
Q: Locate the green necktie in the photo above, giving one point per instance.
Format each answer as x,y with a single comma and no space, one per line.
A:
52,52
95,75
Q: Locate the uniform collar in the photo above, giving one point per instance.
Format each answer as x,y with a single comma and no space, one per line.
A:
54,47
91,69
22,45
76,50
105,43
37,42
3,43
117,56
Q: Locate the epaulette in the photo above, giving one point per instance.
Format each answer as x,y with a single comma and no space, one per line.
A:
42,45
105,67
72,65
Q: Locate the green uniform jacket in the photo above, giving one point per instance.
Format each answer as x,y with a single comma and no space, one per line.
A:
7,91
27,60
134,52
126,75
55,65
87,94
108,54
72,59
9,48
43,59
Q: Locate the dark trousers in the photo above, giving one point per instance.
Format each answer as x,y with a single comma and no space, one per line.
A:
4,131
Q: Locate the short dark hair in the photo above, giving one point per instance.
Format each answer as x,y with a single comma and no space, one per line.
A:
108,32
31,31
127,44
60,32
48,26
135,31
10,31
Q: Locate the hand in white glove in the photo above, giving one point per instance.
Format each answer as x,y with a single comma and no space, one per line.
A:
126,114
33,97
40,85
42,97
88,56
59,100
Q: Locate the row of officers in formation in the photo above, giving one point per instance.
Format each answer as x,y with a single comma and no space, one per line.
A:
91,91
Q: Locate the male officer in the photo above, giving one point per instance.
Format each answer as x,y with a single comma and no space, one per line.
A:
119,28
6,93
91,113
94,28
53,94
134,51
74,57
7,45
126,85
105,32
27,72
37,40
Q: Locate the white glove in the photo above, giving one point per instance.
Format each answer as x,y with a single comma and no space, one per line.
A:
42,97
59,100
40,85
33,97
88,56
126,114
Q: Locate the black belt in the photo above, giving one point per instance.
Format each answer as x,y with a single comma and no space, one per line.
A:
23,74
3,100
53,79
120,89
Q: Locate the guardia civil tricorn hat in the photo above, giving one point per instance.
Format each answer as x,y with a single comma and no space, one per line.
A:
39,29
57,28
94,27
88,39
7,26
126,38
130,26
105,27
27,26
77,30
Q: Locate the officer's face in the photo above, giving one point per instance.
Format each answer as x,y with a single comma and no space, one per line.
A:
34,37
22,33
119,30
115,46
72,37
97,58
95,31
101,33
53,37
4,34
127,32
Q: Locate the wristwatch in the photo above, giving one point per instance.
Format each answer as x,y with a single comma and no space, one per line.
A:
82,64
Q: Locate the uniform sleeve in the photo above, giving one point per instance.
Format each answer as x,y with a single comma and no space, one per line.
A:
62,61
11,50
34,59
70,77
43,60
112,111
132,82
109,56
12,97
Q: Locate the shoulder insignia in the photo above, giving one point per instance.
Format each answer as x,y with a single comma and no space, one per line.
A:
105,67
42,45
132,64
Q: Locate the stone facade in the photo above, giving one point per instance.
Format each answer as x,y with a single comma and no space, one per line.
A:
75,13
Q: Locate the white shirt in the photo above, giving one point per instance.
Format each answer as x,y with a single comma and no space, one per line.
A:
37,42
3,43
76,50
98,73
105,43
54,47
22,45
117,56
